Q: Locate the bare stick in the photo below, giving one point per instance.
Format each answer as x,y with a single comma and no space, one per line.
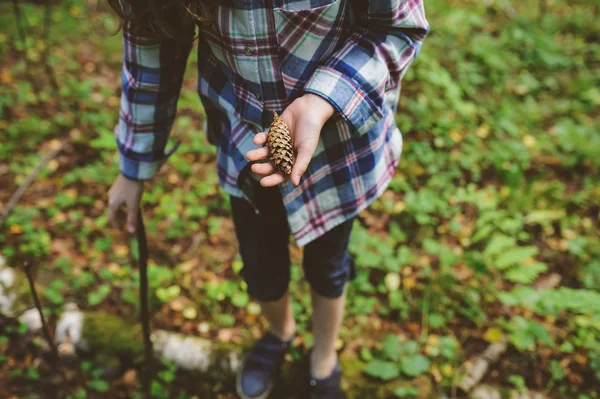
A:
23,187
144,314
38,305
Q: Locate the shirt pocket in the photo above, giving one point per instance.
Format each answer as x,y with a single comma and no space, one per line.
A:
307,37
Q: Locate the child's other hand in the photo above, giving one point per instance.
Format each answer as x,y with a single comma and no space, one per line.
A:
305,118
125,192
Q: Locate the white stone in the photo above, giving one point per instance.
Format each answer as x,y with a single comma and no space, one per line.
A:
31,318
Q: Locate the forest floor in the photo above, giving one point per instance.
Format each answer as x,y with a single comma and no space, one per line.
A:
489,230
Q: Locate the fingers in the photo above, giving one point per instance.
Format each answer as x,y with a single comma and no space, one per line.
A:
301,164
112,214
258,154
260,138
132,209
272,180
264,169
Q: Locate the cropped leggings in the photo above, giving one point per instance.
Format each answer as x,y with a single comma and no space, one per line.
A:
264,238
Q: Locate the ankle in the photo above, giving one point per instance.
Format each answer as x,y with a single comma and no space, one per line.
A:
322,364
284,333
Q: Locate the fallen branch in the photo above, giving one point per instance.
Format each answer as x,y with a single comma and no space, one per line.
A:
477,369
30,178
111,339
481,364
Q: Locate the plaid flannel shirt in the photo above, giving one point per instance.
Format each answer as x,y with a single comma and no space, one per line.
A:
257,57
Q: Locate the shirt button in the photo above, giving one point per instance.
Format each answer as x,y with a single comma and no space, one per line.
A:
249,51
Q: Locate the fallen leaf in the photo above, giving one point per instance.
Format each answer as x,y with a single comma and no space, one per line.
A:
409,283
178,304
121,250
447,370
493,335
392,281
130,378
203,328
190,313
225,335
6,77
189,265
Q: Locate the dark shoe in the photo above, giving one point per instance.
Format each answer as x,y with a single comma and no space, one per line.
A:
261,368
325,388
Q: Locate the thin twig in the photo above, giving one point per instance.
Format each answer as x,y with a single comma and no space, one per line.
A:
144,314
542,9
23,187
21,31
38,305
46,53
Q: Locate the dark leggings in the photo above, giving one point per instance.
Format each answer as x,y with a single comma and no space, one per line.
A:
264,238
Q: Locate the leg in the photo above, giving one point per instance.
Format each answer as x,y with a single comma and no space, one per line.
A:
263,241
327,320
328,267
280,317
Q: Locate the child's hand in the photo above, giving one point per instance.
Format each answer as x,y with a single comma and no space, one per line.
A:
125,192
305,118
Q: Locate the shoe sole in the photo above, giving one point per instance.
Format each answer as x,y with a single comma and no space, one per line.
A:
238,385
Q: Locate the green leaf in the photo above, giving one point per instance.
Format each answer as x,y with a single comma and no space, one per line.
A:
99,385
448,347
410,347
32,373
544,216
106,140
97,296
366,355
499,243
436,320
558,373
240,299
514,256
169,293
414,365
53,296
406,392
526,274
383,370
392,349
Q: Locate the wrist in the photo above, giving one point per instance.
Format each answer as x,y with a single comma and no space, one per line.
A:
320,107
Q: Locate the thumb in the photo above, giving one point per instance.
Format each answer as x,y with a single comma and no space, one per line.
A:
303,158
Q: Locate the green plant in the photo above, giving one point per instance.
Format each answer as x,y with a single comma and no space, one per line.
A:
397,357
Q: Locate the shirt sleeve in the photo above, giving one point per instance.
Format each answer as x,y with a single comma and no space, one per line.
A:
151,78
374,58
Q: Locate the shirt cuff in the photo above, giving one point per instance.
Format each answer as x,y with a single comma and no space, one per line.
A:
135,169
346,96
138,170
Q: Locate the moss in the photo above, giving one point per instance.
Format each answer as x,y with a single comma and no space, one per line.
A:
20,288
110,335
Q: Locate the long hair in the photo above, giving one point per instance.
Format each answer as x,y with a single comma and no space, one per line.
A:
160,19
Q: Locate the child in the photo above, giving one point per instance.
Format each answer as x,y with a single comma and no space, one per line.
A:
332,69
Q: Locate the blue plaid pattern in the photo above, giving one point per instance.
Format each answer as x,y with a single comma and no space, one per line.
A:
257,57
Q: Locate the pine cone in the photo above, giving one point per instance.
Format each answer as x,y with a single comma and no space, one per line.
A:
280,145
